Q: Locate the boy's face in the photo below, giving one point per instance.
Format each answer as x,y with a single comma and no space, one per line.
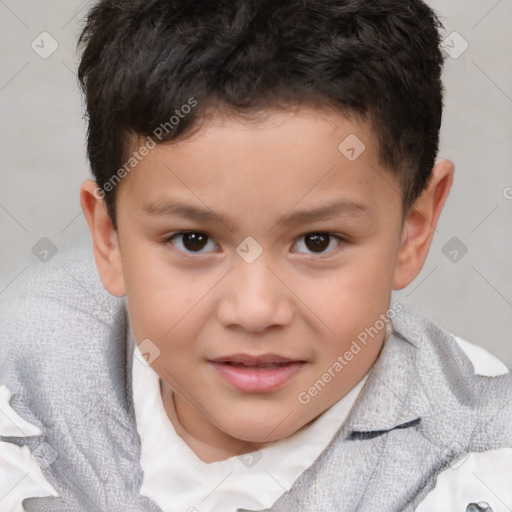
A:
258,282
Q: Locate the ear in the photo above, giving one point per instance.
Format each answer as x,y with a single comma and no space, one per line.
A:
105,241
421,223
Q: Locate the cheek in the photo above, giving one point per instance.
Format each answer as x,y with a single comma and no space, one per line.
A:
171,324
159,298
362,280
161,314
351,298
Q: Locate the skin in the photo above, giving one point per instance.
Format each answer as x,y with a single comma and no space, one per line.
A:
293,300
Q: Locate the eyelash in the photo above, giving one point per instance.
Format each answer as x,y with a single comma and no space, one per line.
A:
340,238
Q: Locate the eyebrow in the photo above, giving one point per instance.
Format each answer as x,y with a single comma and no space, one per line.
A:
336,208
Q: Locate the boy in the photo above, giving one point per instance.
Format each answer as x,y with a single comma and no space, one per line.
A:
265,176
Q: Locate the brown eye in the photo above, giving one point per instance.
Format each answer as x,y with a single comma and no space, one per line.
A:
318,242
191,241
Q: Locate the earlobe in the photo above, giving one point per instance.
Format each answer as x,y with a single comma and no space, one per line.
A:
104,239
421,223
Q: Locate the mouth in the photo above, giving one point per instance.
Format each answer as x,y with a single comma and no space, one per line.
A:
256,374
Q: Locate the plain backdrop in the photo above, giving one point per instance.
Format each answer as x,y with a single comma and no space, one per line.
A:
466,282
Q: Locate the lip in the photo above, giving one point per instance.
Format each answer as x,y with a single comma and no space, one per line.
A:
254,378
254,360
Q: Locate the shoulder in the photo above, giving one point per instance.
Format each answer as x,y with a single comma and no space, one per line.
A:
468,419
483,478
62,345
468,389
69,281
55,303
57,319
444,351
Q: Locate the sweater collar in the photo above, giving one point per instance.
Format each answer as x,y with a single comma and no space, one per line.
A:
393,395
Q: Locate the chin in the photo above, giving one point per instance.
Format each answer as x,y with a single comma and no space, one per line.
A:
258,428
256,436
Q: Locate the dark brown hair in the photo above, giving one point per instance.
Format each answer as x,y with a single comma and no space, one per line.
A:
143,60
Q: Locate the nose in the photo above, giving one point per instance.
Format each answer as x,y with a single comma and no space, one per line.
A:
256,297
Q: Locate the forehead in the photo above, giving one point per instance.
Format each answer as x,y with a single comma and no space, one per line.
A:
284,161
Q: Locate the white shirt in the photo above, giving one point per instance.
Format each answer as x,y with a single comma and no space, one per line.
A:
178,481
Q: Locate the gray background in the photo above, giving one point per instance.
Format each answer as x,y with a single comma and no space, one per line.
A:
42,137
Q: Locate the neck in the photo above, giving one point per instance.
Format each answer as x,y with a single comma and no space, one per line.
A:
209,443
